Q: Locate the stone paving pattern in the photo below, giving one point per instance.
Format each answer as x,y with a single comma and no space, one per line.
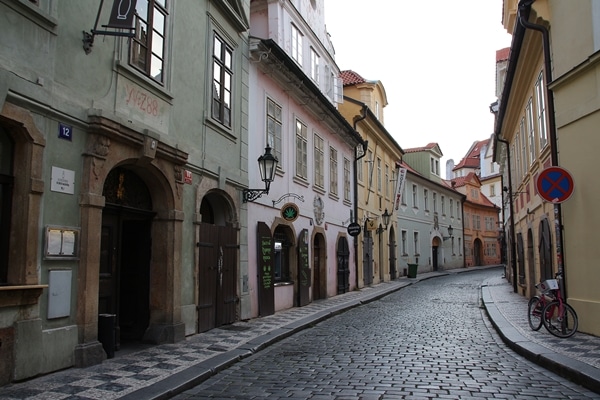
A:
161,371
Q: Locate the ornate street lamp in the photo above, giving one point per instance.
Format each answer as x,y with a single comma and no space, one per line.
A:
267,165
450,230
385,218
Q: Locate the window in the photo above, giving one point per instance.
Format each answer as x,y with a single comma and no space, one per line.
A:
415,196
314,65
541,110
346,179
296,44
416,243
451,208
319,162
370,167
426,199
6,183
524,153
492,191
281,257
333,172
274,128
435,166
222,79
301,150
530,131
147,47
457,210
379,178
518,158
387,181
359,170
443,200
434,202
403,239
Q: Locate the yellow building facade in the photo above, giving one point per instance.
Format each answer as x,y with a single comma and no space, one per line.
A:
376,173
548,116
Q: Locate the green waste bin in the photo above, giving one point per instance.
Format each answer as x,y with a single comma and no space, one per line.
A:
412,270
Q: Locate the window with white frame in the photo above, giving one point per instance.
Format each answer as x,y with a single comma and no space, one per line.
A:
524,153
426,199
319,159
222,81
416,243
370,167
415,196
314,65
434,195
333,171
274,125
359,170
301,150
147,46
518,164
458,210
530,130
443,201
346,179
403,242
541,110
387,181
297,44
492,190
451,208
379,178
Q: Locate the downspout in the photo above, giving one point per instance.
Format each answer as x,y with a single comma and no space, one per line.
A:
365,145
513,246
523,5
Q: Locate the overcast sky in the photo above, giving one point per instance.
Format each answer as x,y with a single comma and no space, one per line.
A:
436,60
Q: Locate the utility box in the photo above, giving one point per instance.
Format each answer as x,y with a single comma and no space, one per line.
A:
412,270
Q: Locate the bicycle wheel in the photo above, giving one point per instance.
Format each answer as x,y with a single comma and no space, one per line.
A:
534,312
562,326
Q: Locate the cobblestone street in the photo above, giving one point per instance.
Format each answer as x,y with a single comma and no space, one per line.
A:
431,340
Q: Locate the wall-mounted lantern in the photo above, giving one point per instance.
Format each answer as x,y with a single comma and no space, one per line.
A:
385,218
267,165
450,231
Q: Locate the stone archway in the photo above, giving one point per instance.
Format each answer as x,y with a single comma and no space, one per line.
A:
159,166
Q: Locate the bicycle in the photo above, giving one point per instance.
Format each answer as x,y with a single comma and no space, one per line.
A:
550,309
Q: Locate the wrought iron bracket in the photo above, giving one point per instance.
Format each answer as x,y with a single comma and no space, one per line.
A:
249,195
285,196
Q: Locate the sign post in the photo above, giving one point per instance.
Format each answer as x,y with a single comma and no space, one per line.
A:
555,184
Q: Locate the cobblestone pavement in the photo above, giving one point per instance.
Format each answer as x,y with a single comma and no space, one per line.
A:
160,372
431,340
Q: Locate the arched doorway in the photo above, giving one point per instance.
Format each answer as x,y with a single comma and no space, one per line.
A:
435,248
217,263
125,254
477,252
367,255
530,264
343,266
319,268
392,253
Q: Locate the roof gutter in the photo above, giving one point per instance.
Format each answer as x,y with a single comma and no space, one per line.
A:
365,146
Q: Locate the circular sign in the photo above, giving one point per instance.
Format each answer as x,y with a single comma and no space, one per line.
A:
354,229
290,212
554,184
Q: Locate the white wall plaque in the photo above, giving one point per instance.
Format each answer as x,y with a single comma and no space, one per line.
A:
63,180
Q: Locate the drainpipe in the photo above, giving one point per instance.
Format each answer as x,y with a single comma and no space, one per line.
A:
525,5
513,246
365,145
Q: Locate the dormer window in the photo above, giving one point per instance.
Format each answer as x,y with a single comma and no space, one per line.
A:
435,166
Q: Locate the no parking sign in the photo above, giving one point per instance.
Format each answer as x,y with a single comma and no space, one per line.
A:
555,184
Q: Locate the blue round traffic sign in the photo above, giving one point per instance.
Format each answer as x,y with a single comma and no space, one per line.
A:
554,184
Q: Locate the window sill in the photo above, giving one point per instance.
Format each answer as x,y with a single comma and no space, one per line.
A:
21,295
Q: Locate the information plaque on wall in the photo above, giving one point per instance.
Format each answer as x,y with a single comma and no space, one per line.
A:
61,243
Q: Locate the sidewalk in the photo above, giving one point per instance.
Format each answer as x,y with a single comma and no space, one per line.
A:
160,372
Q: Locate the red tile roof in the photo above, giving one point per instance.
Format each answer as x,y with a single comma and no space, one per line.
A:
471,160
502,54
350,77
417,149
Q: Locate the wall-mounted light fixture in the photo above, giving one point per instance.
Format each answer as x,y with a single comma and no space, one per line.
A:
267,165
450,231
385,218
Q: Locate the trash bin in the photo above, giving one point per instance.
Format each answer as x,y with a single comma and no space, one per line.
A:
412,270
106,333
